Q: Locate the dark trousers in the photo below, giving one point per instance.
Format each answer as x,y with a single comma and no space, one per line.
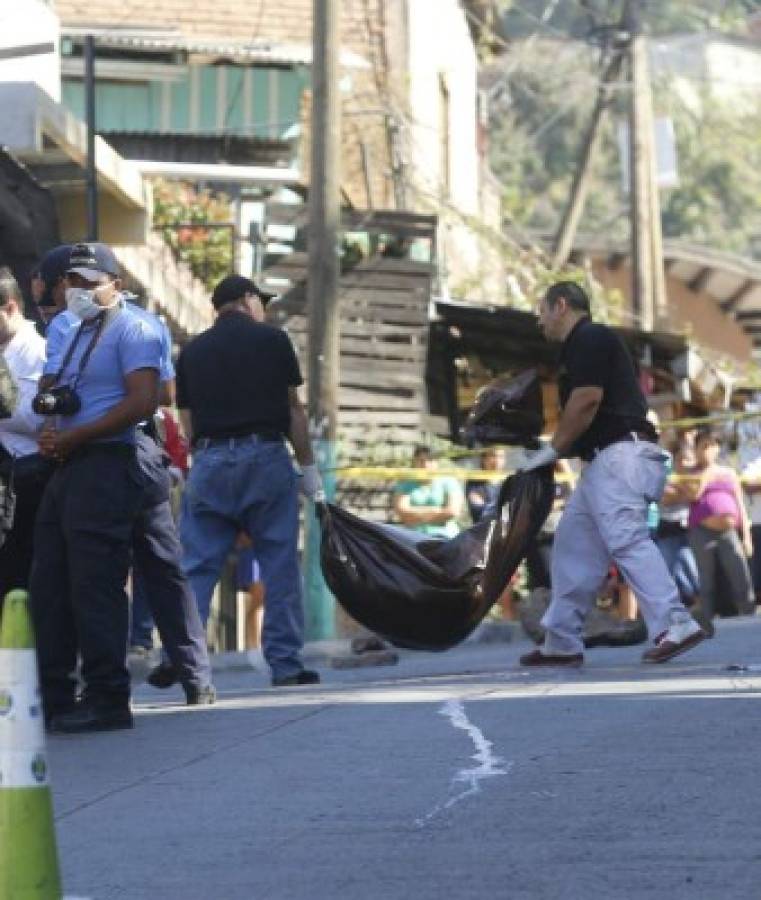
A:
162,584
31,475
141,620
167,594
722,551
82,556
538,560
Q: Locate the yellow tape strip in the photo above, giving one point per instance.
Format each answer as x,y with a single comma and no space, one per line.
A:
398,473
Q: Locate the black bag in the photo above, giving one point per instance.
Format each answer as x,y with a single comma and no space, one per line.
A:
507,411
430,594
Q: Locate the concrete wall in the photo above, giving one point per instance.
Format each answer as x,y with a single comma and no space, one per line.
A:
37,25
442,54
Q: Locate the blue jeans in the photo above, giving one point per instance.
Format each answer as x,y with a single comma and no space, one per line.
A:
680,560
246,484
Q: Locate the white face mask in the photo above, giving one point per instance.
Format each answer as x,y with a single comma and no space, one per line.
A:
82,303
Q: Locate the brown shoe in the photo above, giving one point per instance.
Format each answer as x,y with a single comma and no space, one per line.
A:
537,658
677,639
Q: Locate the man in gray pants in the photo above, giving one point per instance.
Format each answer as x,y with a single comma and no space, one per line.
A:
604,422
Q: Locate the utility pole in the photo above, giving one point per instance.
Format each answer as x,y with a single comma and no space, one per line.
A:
569,224
660,299
648,281
91,174
322,291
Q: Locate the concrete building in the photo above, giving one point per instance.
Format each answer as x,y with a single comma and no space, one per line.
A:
726,68
45,150
211,92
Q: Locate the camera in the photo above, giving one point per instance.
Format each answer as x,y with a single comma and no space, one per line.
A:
58,401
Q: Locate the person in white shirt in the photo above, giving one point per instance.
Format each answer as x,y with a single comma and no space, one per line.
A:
24,353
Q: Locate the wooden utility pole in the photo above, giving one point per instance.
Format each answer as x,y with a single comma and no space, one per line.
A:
569,224
648,280
660,299
322,289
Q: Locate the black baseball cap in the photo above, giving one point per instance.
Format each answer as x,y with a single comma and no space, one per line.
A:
235,287
53,266
92,260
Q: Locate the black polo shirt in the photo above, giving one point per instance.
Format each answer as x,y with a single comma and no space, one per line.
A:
234,378
594,355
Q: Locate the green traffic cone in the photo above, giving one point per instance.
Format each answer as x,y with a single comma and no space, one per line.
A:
28,854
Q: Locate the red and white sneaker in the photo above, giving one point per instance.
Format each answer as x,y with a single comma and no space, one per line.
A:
679,637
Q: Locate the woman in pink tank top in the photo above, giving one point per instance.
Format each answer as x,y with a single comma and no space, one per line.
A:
719,531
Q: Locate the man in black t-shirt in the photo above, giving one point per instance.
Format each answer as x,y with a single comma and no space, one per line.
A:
237,395
604,422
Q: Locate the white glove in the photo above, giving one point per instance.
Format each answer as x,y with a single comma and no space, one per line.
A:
546,455
311,484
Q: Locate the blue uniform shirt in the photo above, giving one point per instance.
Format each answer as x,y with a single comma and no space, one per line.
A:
126,344
55,338
58,329
166,372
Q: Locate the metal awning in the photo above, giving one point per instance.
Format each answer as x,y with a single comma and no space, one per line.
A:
172,40
733,281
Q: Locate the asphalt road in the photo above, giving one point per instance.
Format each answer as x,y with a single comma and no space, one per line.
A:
448,776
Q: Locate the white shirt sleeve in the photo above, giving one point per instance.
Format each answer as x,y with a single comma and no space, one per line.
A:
25,356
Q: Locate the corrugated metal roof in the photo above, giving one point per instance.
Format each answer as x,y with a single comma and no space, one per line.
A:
159,41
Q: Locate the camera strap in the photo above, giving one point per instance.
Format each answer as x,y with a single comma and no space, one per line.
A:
100,323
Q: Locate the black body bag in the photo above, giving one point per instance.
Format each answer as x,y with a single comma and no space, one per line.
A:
429,594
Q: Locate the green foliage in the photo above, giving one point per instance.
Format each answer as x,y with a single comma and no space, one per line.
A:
718,200
580,18
198,226
537,135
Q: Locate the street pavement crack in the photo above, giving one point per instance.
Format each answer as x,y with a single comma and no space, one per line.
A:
189,762
489,764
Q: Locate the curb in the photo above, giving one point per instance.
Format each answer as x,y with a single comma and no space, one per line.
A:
325,653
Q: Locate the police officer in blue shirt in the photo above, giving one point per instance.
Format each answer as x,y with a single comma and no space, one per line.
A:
157,552
108,381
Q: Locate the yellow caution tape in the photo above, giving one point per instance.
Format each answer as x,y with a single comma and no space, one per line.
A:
399,473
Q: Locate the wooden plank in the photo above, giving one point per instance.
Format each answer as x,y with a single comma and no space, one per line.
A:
295,265
357,397
358,377
372,346
408,314
297,216
384,418
380,330
373,350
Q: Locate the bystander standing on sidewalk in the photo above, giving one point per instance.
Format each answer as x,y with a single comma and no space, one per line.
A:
23,470
237,395
107,383
719,531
